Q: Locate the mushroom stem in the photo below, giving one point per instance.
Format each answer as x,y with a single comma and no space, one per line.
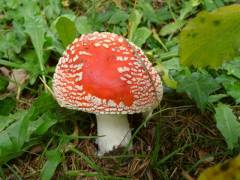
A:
115,132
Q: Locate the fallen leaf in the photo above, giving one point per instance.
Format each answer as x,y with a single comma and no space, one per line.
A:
18,78
211,38
5,72
223,171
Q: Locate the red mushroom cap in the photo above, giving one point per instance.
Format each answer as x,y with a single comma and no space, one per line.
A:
105,73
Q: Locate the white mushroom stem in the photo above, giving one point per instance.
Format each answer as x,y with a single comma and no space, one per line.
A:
115,132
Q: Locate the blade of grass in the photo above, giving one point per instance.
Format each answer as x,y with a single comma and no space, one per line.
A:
157,38
54,158
45,149
169,3
14,172
47,87
10,64
93,174
74,136
124,156
168,55
88,160
164,159
154,156
2,175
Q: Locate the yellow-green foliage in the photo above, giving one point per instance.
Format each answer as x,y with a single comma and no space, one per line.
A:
228,170
211,38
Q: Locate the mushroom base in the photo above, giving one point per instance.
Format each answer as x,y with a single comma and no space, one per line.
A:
115,132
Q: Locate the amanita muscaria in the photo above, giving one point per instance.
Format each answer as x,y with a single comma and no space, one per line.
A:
105,74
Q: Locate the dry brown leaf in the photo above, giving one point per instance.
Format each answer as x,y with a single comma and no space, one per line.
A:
5,72
18,78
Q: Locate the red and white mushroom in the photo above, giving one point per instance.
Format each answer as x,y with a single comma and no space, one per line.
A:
105,74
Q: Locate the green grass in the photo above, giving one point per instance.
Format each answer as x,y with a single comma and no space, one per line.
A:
40,139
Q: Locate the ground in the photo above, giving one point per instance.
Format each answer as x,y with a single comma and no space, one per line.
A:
178,142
